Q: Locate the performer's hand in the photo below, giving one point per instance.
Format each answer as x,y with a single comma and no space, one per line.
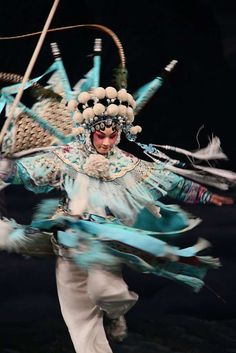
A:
219,200
5,167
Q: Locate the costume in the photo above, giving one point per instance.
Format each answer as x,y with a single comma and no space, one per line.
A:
137,186
110,212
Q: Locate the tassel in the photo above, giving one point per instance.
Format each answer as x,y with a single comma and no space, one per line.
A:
216,177
201,244
193,282
222,173
200,177
211,151
209,261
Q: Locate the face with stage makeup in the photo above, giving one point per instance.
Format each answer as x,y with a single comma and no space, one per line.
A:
104,140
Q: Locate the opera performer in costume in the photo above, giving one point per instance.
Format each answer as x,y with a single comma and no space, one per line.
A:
109,213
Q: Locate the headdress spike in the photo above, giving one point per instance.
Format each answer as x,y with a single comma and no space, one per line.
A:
97,61
59,79
145,93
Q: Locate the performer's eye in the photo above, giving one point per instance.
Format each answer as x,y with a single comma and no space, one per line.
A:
100,136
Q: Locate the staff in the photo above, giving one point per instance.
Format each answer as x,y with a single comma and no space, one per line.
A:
29,69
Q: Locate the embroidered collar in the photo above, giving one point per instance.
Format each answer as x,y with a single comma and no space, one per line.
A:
118,161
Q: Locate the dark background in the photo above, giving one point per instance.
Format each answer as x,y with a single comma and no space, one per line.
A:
201,35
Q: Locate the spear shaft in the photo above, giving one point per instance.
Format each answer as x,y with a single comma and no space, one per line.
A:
29,69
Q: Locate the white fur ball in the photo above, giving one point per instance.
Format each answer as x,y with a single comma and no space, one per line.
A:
122,110
78,117
88,113
78,130
135,129
130,114
129,98
72,104
98,109
112,110
99,92
111,92
122,95
83,97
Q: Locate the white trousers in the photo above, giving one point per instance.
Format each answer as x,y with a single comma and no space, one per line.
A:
84,296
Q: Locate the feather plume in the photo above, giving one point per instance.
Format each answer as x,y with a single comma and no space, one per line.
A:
45,209
24,240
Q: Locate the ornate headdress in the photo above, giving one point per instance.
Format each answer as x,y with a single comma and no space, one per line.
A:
63,114
105,107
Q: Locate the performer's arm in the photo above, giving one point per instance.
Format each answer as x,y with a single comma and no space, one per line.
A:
191,192
38,173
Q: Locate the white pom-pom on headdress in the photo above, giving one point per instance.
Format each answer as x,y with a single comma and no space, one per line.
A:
99,92
99,109
122,95
83,97
135,129
129,98
72,105
122,110
111,92
88,113
130,114
78,117
112,110
78,131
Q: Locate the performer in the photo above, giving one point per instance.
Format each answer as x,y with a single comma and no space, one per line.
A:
110,211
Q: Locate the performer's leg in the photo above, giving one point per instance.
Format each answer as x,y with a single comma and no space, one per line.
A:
109,291
83,318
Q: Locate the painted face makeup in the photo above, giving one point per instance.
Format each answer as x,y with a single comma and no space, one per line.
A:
104,141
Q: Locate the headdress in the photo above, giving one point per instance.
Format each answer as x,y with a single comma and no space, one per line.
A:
105,107
63,114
